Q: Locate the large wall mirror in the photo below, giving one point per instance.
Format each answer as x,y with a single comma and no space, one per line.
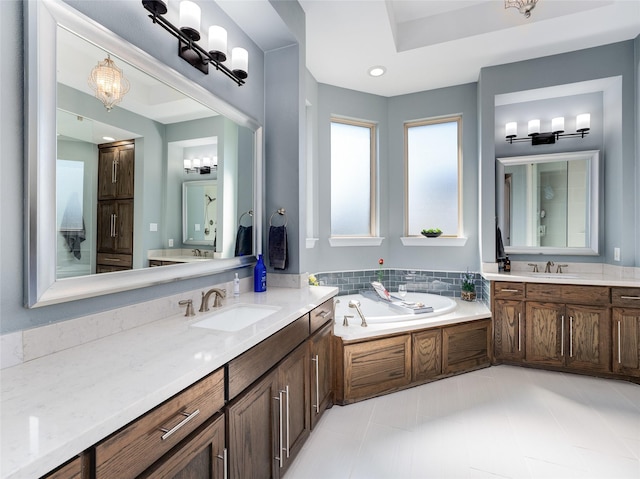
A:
162,120
549,203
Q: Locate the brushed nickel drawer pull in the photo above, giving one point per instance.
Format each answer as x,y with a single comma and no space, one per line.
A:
562,338
115,260
519,329
280,456
224,463
188,417
317,404
324,314
288,415
505,290
619,337
630,297
570,336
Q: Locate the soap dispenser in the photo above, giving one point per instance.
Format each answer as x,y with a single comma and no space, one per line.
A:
236,286
260,276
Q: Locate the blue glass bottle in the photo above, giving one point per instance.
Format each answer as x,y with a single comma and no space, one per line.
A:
260,276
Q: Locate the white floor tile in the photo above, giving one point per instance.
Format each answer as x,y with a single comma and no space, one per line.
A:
500,422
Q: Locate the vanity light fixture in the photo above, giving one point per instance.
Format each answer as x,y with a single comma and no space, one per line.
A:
583,125
524,6
197,165
108,82
189,33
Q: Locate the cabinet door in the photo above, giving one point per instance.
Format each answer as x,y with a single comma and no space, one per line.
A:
201,456
123,240
115,171
293,379
626,341
589,340
253,423
106,212
466,346
321,368
426,351
376,367
508,323
77,468
544,336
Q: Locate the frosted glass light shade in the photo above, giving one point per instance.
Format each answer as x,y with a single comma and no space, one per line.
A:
557,124
534,127
218,43
196,162
206,161
187,164
190,19
240,62
511,129
583,122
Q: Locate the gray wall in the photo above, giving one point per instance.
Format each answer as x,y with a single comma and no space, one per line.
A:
619,133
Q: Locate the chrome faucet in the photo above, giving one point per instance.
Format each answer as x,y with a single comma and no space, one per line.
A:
217,301
356,305
547,268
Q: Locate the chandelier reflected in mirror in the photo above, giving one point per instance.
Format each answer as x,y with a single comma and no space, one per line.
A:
108,82
524,6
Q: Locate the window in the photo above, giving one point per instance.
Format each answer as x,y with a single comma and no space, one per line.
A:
352,178
432,175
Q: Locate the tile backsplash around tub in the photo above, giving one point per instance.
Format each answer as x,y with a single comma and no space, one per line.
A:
444,283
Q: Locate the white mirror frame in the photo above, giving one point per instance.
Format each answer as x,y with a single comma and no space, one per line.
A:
594,186
41,287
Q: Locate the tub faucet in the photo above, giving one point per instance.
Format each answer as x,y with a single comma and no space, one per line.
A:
356,305
217,302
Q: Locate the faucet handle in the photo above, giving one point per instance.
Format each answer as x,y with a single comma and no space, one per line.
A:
189,304
535,267
560,266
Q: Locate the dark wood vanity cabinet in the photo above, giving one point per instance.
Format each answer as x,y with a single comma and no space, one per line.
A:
508,321
270,421
77,468
116,166
626,331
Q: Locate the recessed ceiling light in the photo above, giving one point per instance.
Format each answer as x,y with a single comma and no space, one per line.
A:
108,138
377,71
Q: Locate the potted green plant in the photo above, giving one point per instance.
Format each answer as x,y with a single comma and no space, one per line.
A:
468,287
431,232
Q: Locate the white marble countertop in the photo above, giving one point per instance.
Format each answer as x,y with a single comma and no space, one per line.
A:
54,407
594,279
465,311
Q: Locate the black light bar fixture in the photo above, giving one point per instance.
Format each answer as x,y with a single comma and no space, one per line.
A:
583,125
189,33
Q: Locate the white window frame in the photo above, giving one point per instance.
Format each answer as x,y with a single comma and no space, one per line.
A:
371,239
445,240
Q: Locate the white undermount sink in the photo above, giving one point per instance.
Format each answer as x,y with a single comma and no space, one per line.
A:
235,317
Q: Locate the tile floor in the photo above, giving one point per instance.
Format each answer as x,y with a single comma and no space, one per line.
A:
500,422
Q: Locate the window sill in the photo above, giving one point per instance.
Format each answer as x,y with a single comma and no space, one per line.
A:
440,241
339,241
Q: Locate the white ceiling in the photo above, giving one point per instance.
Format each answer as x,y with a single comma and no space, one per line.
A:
427,44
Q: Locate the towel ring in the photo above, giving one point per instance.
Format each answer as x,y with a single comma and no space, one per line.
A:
250,213
281,212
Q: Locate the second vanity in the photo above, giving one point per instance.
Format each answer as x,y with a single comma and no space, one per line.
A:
160,398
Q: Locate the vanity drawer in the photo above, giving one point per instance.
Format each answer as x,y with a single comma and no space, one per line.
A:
115,259
627,297
574,294
505,290
130,451
321,315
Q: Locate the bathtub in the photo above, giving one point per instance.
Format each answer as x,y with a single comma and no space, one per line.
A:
379,312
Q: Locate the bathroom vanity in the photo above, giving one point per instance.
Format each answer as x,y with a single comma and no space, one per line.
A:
573,324
169,398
